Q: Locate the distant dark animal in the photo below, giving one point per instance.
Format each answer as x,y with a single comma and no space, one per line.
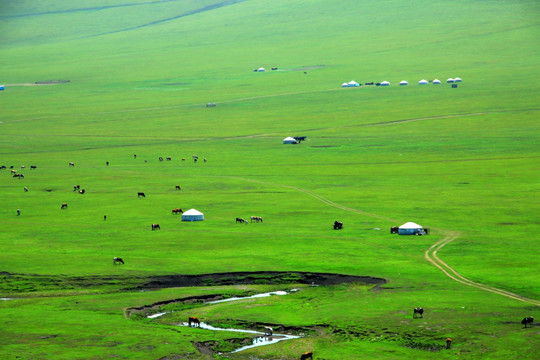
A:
64,206
104,217
240,220
25,189
33,167
528,320
255,70
268,331
117,260
183,159
418,312
338,225
307,355
369,83
211,105
20,176
394,230
134,156
155,227
378,84
18,212
71,164
11,167
193,320
204,159
140,194
177,211
3,167
76,187
160,158
178,187
13,171
23,167
195,159
82,191
168,158
305,72
454,86
256,219
107,163
300,138
274,68
448,343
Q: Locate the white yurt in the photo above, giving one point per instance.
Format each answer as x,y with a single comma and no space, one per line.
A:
450,80
289,140
457,80
192,215
404,82
345,85
261,69
353,83
2,87
410,228
436,81
425,82
385,83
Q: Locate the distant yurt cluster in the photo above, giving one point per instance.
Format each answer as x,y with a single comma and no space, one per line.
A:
353,83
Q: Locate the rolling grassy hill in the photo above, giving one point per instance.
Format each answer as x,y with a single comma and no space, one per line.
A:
133,77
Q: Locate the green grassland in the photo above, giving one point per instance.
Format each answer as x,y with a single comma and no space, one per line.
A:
460,161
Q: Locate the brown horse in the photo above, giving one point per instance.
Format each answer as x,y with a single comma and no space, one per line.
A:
193,320
177,211
307,355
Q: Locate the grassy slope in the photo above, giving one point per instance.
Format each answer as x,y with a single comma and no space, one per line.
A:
120,102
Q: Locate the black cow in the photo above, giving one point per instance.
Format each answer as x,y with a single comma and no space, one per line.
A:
71,164
307,355
33,167
140,194
64,206
300,138
274,68
168,158
155,227
240,220
528,320
117,260
369,83
76,187
418,311
394,230
338,225
178,187
82,191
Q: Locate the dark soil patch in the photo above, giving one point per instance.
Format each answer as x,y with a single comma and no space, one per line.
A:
324,146
50,82
257,278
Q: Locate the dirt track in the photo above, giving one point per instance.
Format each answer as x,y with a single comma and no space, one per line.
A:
430,254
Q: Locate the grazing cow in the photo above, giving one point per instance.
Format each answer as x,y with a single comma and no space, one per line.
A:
117,260
13,171
11,167
134,156
448,343
160,158
527,320
369,83
378,84
33,167
195,157
104,217
418,311
268,331
338,225
20,176
25,189
64,206
155,227
82,191
3,167
183,159
23,167
256,219
178,187
107,163
307,355
71,164
204,159
193,320
18,212
305,72
76,187
140,194
168,158
240,220
300,138
177,211
394,230
274,68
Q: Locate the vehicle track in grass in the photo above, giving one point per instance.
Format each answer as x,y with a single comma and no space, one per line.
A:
430,254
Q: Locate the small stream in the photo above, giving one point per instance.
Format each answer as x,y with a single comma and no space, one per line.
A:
261,340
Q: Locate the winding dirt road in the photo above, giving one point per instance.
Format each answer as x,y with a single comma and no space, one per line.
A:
430,255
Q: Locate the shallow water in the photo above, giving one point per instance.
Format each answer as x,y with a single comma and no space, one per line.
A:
257,341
